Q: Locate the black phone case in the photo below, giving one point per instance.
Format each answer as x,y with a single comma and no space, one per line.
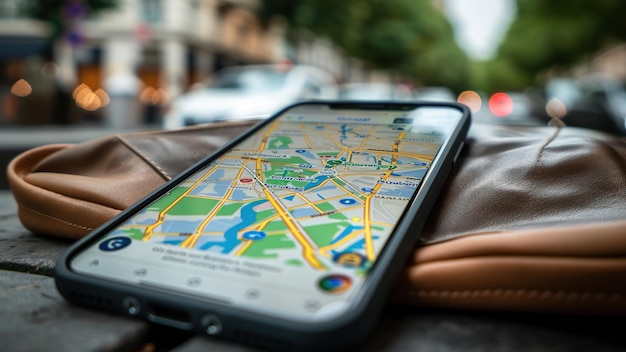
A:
191,313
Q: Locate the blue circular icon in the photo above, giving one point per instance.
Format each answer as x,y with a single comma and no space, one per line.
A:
254,235
300,151
347,201
367,189
335,283
114,244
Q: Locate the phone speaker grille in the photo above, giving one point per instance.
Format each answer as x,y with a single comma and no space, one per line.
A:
92,300
263,341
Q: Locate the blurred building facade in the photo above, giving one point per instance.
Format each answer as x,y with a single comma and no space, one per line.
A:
132,59
150,49
611,61
24,48
172,43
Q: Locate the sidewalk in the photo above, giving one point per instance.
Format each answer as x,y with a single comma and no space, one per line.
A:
34,317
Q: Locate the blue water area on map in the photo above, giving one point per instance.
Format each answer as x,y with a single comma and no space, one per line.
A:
248,217
239,195
307,154
411,161
212,241
180,226
358,245
215,189
404,161
344,130
348,230
298,213
220,225
142,222
317,182
418,173
399,192
174,241
216,175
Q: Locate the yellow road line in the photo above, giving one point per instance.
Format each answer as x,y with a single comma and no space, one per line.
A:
343,240
148,232
312,205
307,248
369,243
191,241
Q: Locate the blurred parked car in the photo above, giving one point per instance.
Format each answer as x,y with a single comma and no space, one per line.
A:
601,105
435,94
565,90
375,91
245,92
507,108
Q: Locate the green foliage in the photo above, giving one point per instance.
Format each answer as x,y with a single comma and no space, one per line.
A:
341,21
409,37
555,34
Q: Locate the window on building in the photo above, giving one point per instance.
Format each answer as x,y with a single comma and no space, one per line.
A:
11,9
152,11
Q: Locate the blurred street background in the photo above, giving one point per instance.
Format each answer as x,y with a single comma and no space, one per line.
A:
97,66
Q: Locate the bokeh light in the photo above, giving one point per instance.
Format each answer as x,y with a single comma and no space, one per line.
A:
21,88
153,96
81,87
471,99
88,99
555,108
501,104
104,97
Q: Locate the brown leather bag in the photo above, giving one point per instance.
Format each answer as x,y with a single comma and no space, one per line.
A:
532,219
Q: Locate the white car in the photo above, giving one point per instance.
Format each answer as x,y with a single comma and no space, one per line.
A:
375,91
250,92
435,94
601,105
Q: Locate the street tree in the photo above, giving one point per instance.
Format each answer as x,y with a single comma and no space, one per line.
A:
555,35
409,37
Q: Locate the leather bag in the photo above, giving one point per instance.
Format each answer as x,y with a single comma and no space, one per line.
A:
532,219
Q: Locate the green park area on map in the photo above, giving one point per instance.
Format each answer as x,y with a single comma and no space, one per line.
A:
298,194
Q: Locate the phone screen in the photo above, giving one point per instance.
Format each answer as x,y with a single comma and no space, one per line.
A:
289,221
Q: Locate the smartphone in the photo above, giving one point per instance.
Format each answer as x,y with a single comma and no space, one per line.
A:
288,238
